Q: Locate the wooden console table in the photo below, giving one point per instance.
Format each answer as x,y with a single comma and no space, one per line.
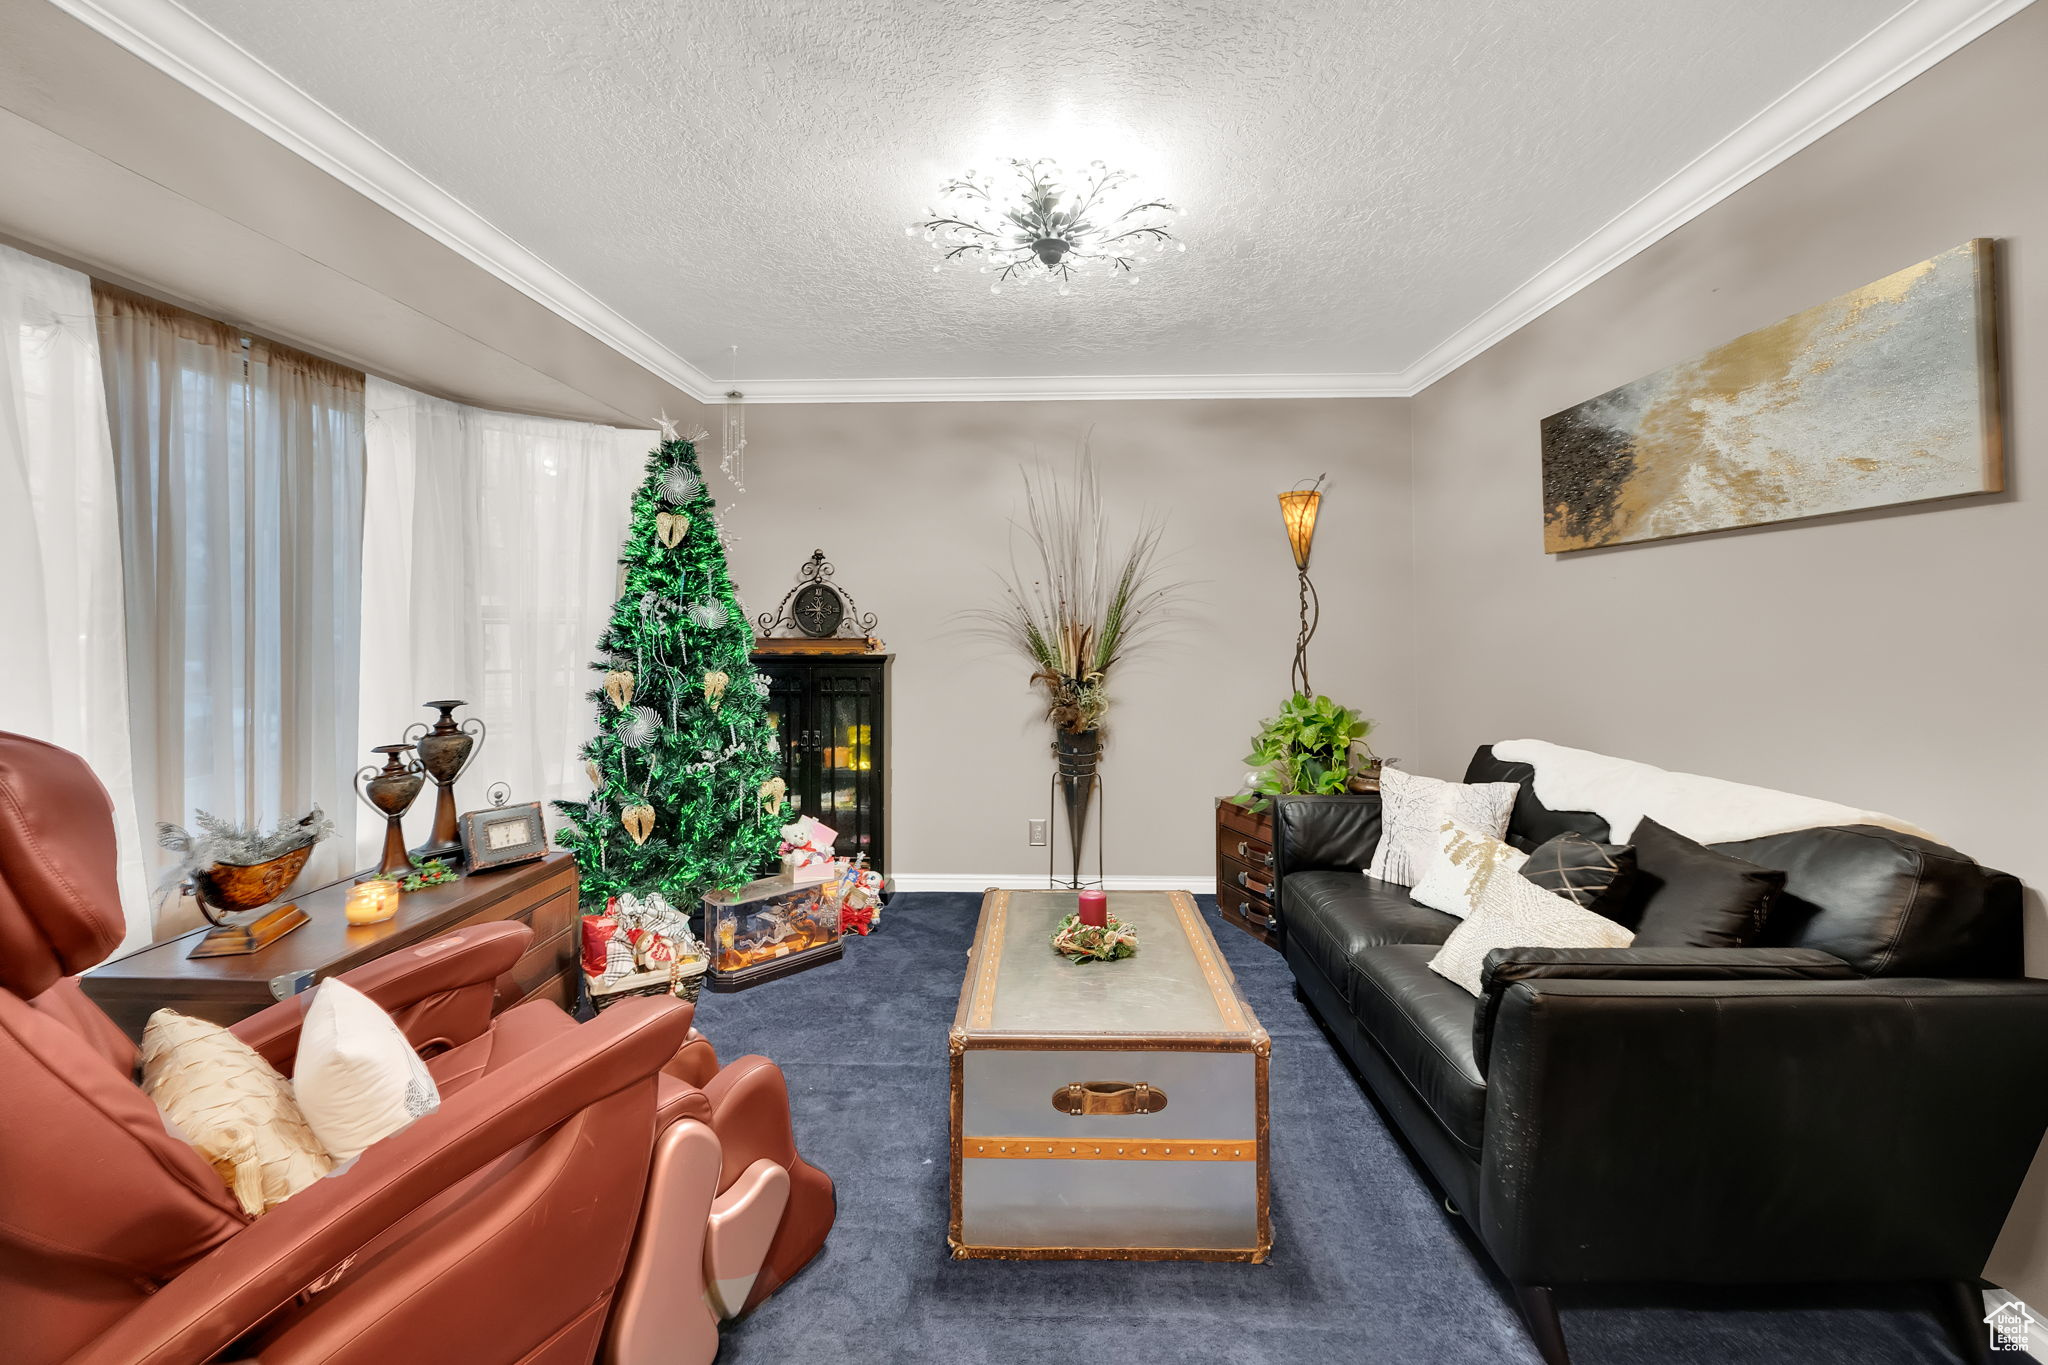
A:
226,989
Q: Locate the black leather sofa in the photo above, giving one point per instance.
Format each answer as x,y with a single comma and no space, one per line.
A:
1857,1099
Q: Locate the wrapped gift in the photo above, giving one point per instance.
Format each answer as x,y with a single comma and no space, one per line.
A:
859,893
806,851
660,933
598,932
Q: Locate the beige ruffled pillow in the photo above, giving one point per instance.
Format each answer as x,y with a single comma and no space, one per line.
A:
236,1110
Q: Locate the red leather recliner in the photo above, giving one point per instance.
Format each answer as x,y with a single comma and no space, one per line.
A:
584,1188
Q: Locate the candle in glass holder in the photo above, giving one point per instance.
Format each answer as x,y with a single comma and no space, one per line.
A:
371,902
1095,909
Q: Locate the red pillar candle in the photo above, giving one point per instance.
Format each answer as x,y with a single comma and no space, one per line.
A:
1095,909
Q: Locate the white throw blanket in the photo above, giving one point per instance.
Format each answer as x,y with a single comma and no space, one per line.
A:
1705,809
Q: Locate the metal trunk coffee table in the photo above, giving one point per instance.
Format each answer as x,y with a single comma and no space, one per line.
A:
1107,1110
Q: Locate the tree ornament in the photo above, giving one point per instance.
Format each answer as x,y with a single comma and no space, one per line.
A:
639,821
618,685
714,687
708,613
772,792
596,773
639,727
671,527
679,485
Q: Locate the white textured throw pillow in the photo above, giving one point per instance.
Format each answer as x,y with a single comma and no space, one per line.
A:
357,1078
1514,912
1412,813
1465,862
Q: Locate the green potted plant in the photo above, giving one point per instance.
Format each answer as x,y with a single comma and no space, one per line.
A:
1309,747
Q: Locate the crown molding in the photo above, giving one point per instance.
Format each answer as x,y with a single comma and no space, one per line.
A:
183,47
1905,45
1069,387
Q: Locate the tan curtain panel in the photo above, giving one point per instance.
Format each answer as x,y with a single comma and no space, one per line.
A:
240,471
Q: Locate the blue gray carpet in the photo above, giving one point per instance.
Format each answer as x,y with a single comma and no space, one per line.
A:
1366,1264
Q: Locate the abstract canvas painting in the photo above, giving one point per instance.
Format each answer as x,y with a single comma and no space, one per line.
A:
1887,394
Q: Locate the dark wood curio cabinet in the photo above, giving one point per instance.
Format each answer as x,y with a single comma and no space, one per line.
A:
830,713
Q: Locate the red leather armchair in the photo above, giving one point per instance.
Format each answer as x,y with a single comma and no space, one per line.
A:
583,1187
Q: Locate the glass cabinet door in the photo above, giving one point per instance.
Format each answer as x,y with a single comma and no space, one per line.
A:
786,713
846,730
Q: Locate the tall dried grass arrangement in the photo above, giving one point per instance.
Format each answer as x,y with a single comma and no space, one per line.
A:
1070,605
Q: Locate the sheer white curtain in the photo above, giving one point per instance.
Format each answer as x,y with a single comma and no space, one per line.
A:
241,474
490,565
65,673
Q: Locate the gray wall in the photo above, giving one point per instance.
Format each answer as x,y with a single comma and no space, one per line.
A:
1888,660
912,502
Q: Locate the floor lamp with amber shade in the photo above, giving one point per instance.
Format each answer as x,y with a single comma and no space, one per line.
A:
1298,509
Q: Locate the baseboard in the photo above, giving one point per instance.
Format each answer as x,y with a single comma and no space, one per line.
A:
1028,881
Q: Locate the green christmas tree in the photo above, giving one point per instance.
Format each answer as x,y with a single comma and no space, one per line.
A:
683,757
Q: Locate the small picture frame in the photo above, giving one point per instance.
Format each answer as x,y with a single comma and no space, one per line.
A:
503,835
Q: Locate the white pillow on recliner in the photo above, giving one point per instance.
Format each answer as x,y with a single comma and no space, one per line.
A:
357,1079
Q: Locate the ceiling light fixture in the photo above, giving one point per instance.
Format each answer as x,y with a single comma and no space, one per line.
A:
1027,222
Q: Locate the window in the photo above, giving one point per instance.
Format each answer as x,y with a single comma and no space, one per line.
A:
240,470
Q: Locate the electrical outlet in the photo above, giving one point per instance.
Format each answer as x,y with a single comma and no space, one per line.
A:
1037,829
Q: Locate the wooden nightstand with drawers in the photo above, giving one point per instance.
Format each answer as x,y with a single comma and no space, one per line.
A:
1244,868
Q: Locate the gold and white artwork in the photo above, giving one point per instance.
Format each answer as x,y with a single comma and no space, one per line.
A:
1887,394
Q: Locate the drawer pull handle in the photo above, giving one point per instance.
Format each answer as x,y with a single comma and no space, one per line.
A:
1244,850
1079,1098
1244,879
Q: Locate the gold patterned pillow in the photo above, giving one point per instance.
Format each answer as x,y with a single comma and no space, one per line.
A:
1465,861
237,1111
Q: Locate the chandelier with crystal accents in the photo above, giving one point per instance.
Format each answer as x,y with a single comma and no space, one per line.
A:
1028,222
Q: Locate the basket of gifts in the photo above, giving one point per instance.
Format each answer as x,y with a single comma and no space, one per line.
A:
641,946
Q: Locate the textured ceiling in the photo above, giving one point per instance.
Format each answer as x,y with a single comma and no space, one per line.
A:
1362,177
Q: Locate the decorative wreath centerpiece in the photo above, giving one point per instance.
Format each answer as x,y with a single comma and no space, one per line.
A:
1094,943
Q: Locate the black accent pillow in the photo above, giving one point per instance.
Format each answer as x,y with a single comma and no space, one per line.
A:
1591,875
1690,896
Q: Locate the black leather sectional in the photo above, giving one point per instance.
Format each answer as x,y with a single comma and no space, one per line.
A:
1856,1099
